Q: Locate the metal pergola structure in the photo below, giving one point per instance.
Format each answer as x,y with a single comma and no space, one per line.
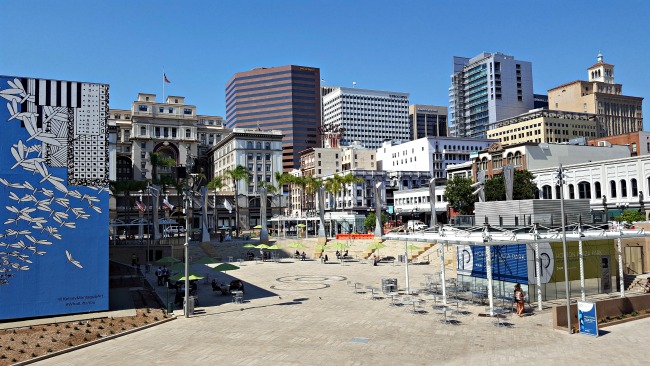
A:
489,236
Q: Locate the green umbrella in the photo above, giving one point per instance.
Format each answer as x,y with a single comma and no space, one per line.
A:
273,247
223,267
207,260
320,247
413,247
300,225
377,246
340,245
181,277
178,266
249,245
299,246
165,261
261,246
257,227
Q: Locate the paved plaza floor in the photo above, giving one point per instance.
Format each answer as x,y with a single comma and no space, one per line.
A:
307,313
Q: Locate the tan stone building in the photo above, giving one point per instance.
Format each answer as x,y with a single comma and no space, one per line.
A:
545,126
617,113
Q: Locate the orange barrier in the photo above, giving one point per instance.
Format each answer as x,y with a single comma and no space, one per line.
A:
355,236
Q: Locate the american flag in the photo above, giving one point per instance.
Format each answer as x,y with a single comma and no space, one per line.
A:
140,206
165,78
167,205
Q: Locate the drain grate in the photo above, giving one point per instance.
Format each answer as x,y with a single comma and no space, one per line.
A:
359,340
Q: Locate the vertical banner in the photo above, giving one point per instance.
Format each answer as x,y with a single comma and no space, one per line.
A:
605,274
587,319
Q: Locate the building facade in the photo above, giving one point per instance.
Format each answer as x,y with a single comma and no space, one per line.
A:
485,89
172,129
545,126
285,98
367,116
600,95
638,142
429,154
427,121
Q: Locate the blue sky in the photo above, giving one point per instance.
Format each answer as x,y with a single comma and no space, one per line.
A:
404,46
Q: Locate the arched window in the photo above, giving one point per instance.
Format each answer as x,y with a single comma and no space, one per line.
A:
597,189
572,194
635,188
509,158
517,158
267,146
258,145
557,192
249,144
612,188
546,192
584,190
484,164
623,188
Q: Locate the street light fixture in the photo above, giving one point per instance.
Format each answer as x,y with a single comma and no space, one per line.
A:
560,178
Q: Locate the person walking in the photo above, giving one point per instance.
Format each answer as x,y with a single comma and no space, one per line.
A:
519,299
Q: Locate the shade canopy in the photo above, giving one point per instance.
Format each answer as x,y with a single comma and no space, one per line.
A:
223,267
207,260
261,246
249,245
165,261
181,277
299,245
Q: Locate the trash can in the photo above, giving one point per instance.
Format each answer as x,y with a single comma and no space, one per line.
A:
401,258
388,285
170,308
190,305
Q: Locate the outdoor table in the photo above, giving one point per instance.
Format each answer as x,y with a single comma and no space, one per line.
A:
392,297
373,292
480,295
444,310
414,302
497,313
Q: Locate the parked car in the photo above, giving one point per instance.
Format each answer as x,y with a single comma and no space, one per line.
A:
173,230
416,225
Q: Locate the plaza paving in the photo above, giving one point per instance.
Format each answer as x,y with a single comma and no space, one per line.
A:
307,313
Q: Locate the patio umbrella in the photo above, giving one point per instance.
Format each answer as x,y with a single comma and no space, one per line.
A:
257,227
165,261
207,260
178,266
273,247
224,228
320,247
181,277
261,246
300,225
377,246
413,247
299,246
249,245
224,267
339,245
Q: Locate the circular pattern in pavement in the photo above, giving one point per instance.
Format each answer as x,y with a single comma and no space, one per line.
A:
305,282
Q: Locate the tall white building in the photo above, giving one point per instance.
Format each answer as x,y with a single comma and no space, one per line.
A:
367,116
488,88
429,154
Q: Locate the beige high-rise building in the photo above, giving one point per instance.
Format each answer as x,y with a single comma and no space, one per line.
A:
616,113
545,126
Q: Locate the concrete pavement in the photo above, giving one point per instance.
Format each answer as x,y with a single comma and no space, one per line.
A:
306,313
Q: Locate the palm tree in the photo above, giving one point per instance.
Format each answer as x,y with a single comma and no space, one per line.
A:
312,187
126,187
350,179
215,184
238,174
284,179
333,185
159,160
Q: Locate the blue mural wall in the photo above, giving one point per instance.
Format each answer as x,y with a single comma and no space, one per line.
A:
54,197
508,262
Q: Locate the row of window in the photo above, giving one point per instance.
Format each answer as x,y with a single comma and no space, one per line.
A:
584,190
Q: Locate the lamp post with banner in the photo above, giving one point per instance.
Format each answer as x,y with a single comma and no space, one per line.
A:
560,178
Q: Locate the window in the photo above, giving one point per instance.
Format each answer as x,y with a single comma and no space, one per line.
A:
250,156
187,133
546,192
597,190
557,192
249,144
143,131
142,108
143,155
635,189
267,146
258,145
259,156
634,148
623,188
171,110
267,156
143,165
161,110
584,190
174,132
143,145
259,167
572,194
612,188
188,111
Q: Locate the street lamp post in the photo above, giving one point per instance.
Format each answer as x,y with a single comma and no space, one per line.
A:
187,202
560,181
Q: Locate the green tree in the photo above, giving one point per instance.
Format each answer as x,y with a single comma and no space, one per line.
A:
333,185
630,216
458,193
312,189
524,187
215,184
369,222
237,175
284,179
158,160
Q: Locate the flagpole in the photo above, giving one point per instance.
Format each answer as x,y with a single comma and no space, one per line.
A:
163,85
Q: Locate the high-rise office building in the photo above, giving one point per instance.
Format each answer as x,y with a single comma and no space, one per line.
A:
427,121
285,98
488,88
367,116
617,113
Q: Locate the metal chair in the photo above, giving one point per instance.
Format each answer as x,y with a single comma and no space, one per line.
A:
238,297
